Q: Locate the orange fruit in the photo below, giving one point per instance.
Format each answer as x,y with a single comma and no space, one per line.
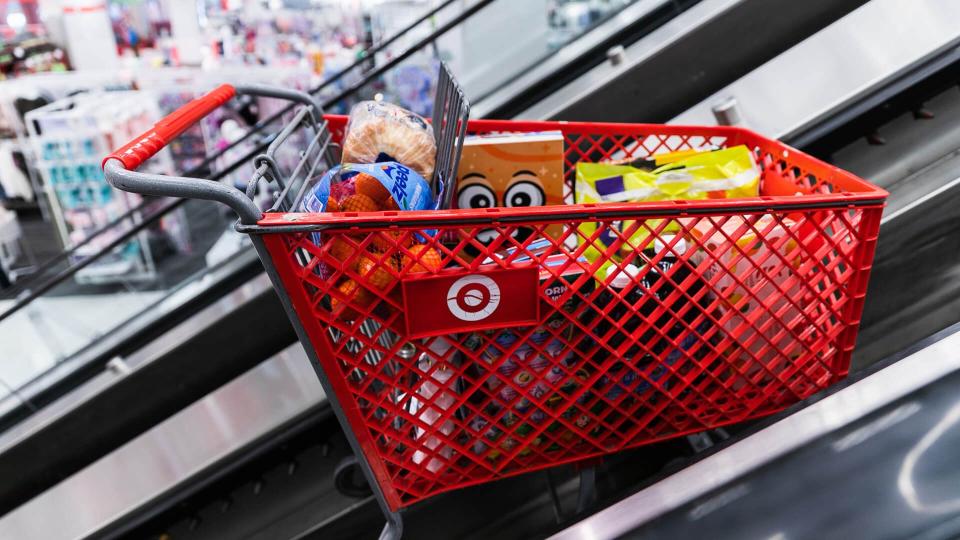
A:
391,204
424,259
332,205
388,240
340,249
358,203
371,187
376,273
353,295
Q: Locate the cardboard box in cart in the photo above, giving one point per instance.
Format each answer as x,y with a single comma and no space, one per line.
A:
751,263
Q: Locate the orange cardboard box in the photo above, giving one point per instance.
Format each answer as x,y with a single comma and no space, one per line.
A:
512,169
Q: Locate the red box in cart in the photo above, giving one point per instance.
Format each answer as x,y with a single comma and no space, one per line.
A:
761,308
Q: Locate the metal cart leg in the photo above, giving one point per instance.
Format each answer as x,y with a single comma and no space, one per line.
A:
587,495
393,530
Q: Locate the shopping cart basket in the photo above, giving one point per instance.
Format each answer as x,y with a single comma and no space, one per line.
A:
452,362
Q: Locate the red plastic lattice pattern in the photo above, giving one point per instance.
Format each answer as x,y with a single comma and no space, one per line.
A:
753,305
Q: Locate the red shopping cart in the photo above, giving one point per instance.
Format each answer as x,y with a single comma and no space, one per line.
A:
452,361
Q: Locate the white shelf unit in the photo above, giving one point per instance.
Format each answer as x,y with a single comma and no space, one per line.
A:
70,138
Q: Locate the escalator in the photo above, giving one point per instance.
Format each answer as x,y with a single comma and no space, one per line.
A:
173,352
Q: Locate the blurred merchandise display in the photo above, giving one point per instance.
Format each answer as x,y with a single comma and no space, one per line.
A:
31,55
69,138
12,249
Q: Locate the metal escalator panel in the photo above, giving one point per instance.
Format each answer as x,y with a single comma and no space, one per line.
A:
553,63
883,106
875,459
257,404
914,288
687,59
810,90
189,361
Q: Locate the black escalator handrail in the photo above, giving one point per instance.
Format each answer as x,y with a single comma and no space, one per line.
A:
69,272
256,128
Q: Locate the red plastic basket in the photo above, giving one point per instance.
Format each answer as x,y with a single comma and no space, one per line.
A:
444,391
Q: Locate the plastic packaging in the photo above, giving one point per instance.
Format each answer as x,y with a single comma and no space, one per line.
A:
434,397
370,188
722,174
719,174
379,131
355,187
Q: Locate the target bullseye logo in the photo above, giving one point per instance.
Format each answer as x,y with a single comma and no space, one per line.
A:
491,298
473,298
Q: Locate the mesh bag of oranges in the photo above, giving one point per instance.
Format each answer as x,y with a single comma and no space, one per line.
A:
371,188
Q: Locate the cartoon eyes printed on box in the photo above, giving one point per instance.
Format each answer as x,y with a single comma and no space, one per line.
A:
521,190
510,171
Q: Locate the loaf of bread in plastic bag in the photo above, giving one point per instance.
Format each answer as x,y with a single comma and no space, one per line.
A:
378,131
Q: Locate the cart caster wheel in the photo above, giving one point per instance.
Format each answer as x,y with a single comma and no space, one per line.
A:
349,480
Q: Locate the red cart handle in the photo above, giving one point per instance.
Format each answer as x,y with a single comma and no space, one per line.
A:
153,140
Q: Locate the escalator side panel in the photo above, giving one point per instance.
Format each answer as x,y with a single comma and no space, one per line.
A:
697,64
229,346
900,308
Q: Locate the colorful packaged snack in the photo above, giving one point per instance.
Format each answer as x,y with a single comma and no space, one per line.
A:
544,366
719,174
536,374
380,132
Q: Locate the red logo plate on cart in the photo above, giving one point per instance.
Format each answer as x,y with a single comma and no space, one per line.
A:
466,302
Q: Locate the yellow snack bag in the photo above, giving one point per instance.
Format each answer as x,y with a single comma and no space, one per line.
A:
723,174
719,174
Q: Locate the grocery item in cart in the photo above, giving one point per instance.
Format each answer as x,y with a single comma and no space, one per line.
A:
563,285
511,170
652,163
370,188
719,174
685,299
623,309
355,187
544,366
434,397
536,370
751,261
379,131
